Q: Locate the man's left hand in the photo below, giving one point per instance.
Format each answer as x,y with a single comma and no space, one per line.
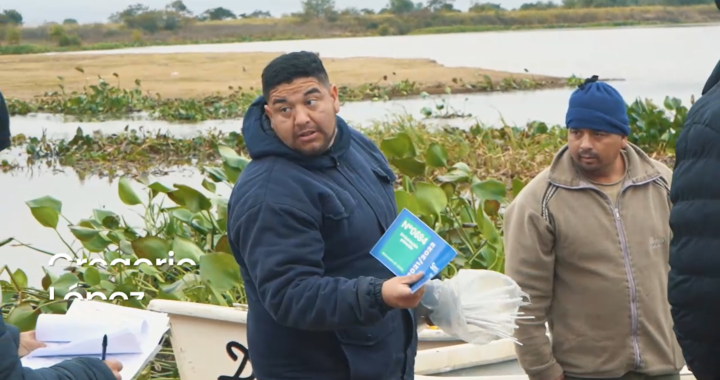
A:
28,343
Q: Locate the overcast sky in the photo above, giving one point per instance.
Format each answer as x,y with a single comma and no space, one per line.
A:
36,12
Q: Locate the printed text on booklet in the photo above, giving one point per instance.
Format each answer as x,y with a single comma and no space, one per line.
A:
409,246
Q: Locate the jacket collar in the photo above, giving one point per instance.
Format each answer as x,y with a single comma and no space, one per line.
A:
563,172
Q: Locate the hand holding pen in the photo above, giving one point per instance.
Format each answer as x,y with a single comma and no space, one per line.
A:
114,365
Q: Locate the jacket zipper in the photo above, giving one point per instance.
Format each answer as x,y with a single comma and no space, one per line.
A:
630,277
626,260
406,370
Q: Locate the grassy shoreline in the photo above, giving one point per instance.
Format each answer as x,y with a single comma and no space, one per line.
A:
110,37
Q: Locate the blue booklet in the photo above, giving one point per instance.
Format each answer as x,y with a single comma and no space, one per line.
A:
409,246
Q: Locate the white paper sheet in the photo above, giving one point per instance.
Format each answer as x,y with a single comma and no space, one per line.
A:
122,342
157,325
69,328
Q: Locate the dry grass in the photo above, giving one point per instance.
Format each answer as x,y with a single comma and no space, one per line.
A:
193,75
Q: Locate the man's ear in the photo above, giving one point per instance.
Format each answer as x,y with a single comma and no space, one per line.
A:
268,111
336,97
624,139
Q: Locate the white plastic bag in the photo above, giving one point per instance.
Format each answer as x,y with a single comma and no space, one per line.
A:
476,306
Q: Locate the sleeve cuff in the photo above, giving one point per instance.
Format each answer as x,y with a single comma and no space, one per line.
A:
97,366
377,296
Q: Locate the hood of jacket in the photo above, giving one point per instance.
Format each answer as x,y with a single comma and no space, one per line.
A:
261,141
714,78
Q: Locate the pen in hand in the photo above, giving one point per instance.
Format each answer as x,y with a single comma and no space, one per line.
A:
104,346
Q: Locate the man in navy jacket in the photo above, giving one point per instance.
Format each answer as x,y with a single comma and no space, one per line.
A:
694,280
302,219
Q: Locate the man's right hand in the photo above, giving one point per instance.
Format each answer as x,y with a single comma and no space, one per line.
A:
115,366
396,292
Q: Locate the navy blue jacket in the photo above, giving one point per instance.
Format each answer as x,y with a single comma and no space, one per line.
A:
301,229
73,369
694,279
4,124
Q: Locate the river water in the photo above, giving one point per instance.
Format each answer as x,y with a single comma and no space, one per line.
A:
653,63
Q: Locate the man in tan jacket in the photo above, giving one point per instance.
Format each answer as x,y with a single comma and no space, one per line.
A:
588,240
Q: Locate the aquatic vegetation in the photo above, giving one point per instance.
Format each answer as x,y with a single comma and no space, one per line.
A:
106,100
498,152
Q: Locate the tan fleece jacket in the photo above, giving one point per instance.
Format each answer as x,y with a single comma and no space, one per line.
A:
596,270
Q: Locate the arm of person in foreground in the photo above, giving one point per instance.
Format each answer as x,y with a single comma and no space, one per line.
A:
693,283
73,369
283,250
4,124
530,261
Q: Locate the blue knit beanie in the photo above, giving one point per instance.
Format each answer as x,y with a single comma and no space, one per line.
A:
597,106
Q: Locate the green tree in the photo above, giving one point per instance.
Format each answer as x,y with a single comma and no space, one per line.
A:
70,21
401,6
318,8
58,35
217,14
484,7
350,11
440,5
13,36
154,21
130,11
11,16
55,32
538,5
179,7
256,14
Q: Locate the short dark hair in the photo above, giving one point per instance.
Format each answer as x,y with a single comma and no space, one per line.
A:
288,67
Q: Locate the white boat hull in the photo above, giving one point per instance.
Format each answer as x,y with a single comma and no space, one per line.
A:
208,342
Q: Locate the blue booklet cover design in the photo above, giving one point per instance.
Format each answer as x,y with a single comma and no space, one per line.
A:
409,246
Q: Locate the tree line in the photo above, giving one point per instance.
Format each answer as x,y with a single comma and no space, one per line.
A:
141,20
176,13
